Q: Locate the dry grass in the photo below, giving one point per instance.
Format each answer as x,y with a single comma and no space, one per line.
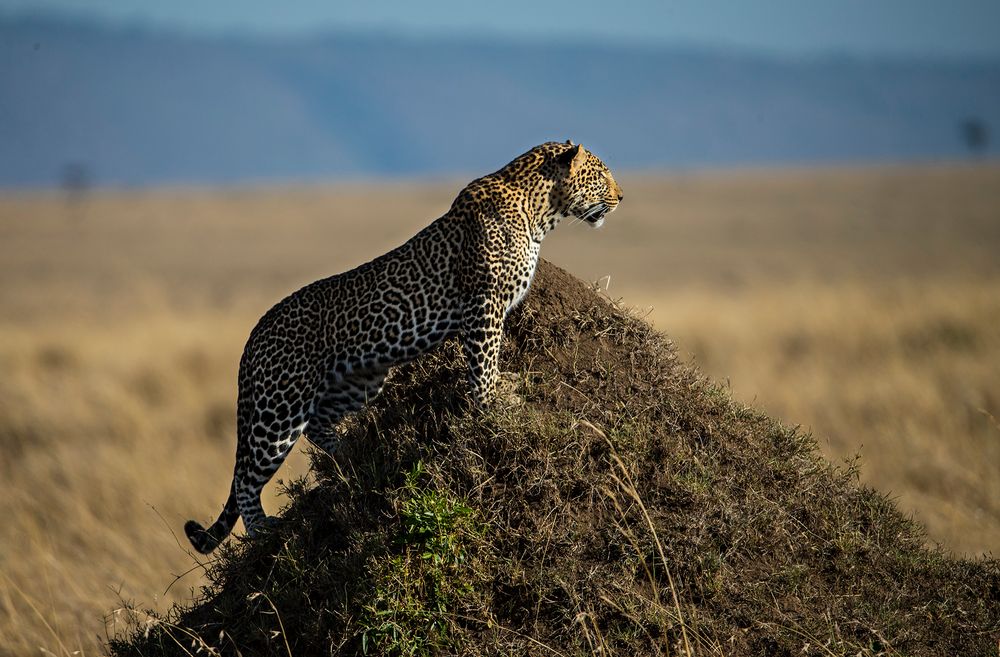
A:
904,375
863,304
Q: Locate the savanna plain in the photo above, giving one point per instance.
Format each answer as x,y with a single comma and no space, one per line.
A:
860,303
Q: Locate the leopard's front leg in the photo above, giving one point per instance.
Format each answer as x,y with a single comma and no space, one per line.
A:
482,333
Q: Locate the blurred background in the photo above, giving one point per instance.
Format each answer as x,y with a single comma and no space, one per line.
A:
812,213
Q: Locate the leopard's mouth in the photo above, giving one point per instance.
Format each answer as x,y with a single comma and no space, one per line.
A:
594,215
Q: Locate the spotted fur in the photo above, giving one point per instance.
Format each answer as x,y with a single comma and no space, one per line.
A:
325,350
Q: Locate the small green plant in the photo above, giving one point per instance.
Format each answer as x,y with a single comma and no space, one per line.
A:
433,523
418,592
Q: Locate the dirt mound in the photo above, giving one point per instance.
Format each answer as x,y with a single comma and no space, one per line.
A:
628,507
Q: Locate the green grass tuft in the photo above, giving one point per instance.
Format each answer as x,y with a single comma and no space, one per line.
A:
417,593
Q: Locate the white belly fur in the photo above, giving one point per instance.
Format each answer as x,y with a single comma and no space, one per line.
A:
523,285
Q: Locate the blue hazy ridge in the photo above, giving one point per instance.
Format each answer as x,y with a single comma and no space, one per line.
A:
136,106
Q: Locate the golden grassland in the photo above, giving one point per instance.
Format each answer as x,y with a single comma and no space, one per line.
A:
861,303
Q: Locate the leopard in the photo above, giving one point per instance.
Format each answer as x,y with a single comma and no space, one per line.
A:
324,352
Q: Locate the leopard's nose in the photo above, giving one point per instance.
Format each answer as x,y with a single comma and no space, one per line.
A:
620,197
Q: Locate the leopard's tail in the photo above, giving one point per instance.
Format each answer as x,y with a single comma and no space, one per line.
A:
206,540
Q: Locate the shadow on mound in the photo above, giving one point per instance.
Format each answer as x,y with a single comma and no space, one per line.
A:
628,507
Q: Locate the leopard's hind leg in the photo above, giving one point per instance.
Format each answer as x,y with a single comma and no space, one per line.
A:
275,430
205,540
273,424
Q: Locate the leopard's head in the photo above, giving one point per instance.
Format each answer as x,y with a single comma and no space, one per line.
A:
584,187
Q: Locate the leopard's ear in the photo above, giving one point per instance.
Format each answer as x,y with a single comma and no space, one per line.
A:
574,158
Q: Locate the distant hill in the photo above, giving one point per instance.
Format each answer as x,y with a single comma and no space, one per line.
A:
135,106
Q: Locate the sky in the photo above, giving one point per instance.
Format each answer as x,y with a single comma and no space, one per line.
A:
949,28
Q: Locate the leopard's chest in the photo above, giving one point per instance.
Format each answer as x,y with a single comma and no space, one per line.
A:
523,273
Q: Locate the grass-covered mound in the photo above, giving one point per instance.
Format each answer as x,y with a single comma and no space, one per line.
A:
627,507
